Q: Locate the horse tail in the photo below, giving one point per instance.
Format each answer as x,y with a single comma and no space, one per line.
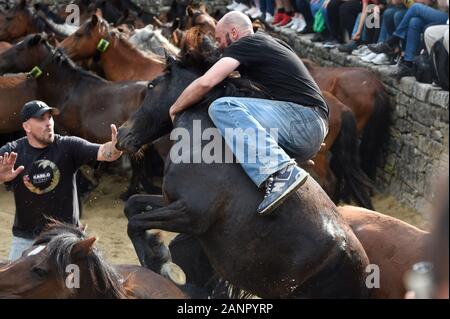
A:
375,134
345,164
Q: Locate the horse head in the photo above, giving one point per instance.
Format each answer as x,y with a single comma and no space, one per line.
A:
152,119
84,42
25,55
62,263
17,22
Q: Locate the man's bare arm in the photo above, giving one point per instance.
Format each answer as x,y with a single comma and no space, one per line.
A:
195,92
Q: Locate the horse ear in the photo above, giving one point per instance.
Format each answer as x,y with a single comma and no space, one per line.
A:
202,8
38,38
95,19
170,60
190,11
83,248
175,24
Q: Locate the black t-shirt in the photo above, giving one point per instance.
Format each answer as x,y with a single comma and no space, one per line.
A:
273,64
47,185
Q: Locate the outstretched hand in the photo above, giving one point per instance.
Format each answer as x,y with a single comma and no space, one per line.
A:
7,171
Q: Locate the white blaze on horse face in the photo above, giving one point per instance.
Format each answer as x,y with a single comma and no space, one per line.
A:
36,251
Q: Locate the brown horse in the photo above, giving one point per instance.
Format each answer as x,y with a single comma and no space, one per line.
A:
64,255
391,244
364,93
4,46
341,176
120,60
15,91
22,20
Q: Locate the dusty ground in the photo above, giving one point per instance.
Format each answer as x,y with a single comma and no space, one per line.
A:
103,213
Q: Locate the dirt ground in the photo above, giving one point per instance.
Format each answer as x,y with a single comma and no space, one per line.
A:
103,213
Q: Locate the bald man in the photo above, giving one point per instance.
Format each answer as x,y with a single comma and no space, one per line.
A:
297,111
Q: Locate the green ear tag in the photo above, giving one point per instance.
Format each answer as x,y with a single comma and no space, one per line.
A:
36,72
102,45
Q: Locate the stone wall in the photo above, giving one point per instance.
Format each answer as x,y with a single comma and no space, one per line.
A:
417,152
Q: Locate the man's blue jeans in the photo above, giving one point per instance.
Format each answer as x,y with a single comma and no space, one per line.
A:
392,17
414,23
267,6
279,127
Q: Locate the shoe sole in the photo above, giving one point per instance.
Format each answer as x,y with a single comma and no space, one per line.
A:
283,198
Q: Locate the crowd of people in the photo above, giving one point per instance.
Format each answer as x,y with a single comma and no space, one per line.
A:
382,32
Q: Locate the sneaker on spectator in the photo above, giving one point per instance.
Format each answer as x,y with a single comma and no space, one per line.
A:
361,51
278,18
286,19
331,44
250,11
402,69
295,22
269,18
348,47
232,5
257,14
301,24
318,37
381,59
381,47
369,57
241,7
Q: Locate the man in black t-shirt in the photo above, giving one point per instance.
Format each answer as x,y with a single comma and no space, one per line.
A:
297,114
41,169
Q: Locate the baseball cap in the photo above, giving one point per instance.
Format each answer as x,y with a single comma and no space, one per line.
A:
35,109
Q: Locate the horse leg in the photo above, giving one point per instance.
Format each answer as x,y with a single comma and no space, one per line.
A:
150,249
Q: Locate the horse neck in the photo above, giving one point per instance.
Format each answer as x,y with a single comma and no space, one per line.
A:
59,80
121,58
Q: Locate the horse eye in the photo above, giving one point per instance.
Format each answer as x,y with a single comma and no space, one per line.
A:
39,271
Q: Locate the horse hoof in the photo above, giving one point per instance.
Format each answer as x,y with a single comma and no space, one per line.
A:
174,273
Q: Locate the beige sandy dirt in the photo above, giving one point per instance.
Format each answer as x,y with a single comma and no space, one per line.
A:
103,213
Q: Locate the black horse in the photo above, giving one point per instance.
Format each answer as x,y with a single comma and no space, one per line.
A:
304,250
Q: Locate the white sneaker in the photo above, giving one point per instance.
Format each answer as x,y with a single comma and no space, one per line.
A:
301,24
241,7
269,18
369,57
250,11
361,50
256,14
381,59
289,24
232,5
295,23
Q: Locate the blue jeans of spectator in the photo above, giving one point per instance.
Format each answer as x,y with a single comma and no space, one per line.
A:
18,246
279,127
267,6
355,29
390,20
413,25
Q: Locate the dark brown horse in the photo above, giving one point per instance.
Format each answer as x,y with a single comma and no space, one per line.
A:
15,91
391,244
64,263
120,61
363,92
344,180
304,250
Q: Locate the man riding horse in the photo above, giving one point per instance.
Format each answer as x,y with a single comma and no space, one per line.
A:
297,110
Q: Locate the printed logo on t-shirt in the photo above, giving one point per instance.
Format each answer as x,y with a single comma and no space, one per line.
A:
43,177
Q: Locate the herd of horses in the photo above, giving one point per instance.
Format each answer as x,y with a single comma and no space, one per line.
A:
126,66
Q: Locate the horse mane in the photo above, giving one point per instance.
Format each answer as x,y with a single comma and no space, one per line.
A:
62,59
60,239
117,36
